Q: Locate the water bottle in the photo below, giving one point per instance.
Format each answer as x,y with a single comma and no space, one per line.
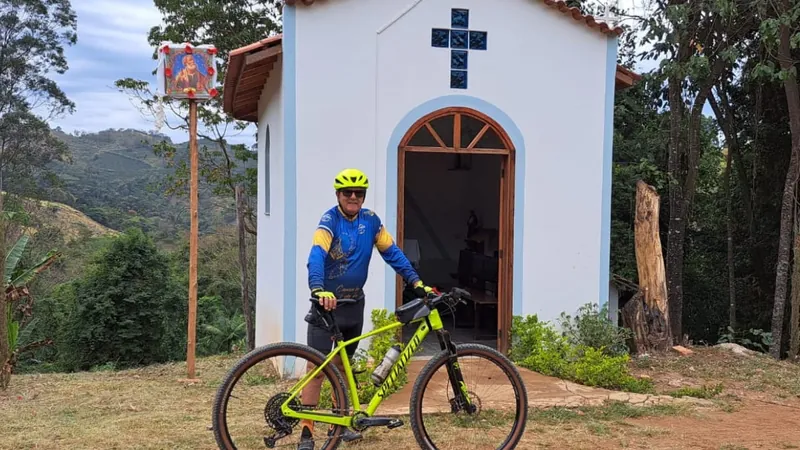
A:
382,371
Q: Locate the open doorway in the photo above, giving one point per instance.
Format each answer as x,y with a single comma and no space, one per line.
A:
455,198
452,218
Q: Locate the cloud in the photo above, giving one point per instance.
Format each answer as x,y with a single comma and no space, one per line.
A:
112,44
116,26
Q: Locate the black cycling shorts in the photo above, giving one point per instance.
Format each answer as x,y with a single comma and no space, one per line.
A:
349,318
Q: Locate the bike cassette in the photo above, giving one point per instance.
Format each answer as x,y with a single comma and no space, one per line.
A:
274,416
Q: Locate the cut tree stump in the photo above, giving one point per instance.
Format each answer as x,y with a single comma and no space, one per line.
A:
647,313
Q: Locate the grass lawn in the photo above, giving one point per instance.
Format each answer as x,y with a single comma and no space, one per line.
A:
150,408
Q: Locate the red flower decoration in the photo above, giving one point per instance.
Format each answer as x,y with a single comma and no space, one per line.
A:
165,49
190,94
211,71
213,92
188,48
168,72
212,51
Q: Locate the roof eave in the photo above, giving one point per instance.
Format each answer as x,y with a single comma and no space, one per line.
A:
240,86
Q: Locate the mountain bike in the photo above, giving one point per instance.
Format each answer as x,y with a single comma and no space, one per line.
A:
281,385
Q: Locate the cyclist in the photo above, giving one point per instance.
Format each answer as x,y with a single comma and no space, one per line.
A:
337,268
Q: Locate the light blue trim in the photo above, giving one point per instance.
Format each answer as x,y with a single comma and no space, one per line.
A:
289,174
519,188
608,152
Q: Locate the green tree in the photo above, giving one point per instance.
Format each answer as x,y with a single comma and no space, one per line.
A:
33,34
780,32
227,25
19,307
700,41
126,307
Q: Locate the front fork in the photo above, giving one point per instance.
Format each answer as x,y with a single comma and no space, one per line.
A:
460,401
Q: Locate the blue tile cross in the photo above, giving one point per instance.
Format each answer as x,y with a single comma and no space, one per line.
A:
459,39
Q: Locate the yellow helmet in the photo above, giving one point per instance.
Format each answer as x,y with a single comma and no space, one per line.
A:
351,178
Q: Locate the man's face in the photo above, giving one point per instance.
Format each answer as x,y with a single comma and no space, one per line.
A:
188,62
350,200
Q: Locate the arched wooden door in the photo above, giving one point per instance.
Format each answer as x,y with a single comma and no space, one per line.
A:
464,131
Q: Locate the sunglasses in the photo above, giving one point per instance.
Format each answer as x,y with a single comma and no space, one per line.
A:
347,193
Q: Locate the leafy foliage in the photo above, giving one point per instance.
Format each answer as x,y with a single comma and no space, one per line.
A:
127,310
589,351
19,305
591,328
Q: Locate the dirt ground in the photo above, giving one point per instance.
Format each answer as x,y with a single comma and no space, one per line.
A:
756,408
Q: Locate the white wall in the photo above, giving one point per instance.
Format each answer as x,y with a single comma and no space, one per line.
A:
362,65
269,285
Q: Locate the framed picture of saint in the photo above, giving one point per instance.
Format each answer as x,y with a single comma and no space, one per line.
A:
187,72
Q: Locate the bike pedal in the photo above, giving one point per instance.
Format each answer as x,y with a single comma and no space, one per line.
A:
395,424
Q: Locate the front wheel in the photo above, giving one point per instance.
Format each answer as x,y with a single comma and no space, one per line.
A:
495,390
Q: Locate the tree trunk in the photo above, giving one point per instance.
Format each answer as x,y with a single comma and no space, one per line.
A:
5,350
248,311
648,312
677,225
731,269
794,329
787,205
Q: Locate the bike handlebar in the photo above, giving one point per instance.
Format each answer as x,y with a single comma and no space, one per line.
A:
434,299
452,298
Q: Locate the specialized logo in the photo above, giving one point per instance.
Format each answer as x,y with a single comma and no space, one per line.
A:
362,228
326,217
402,360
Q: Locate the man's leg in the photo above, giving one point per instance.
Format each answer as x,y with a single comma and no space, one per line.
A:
318,339
348,333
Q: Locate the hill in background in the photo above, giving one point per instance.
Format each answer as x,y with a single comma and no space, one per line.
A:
117,181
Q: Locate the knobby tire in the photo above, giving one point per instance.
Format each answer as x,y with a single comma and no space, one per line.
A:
490,354
334,376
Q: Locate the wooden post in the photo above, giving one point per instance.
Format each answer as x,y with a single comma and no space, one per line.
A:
193,238
647,313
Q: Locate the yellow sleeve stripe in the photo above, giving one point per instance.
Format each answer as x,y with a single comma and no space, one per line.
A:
323,238
383,240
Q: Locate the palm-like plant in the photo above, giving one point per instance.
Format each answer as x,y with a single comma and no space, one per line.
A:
19,300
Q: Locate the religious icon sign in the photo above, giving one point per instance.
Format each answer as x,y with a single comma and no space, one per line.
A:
186,71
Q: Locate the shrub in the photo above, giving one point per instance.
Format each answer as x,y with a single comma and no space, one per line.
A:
592,328
589,351
126,308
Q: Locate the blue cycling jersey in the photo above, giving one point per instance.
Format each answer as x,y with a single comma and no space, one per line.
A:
342,249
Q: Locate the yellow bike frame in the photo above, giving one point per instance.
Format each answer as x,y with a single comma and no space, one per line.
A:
435,322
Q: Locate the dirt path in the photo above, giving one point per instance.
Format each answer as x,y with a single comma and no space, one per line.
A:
755,426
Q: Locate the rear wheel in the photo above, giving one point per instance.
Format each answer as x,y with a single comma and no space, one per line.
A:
494,386
258,384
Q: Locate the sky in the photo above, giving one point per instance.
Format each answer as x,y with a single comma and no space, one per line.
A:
114,45
110,47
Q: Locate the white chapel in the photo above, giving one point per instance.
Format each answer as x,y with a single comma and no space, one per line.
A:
485,128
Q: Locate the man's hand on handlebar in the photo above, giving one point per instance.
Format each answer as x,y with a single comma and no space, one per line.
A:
326,299
422,291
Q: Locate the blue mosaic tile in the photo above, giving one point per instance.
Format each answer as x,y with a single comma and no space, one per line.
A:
459,18
458,59
458,79
477,40
440,37
458,38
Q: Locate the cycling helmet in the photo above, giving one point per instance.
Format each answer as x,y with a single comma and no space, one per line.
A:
351,178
